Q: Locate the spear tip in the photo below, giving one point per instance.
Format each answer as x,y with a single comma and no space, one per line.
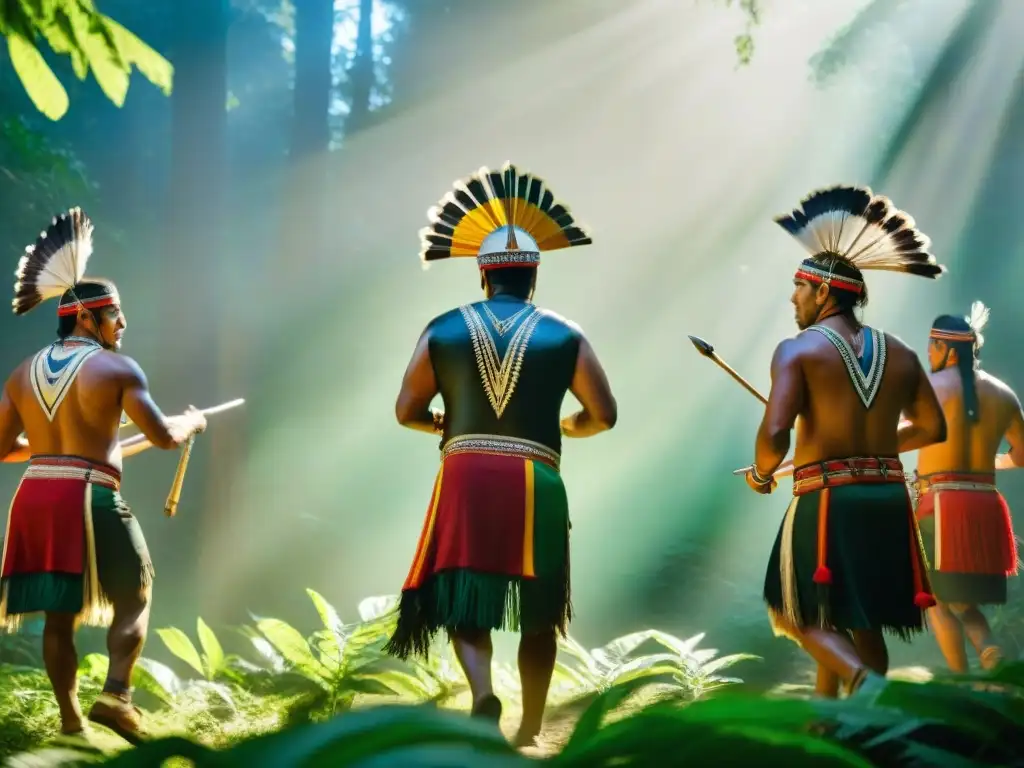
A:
702,346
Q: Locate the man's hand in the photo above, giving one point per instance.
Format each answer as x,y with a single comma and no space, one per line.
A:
196,417
760,487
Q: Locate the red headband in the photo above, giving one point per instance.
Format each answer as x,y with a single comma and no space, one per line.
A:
815,275
72,307
940,335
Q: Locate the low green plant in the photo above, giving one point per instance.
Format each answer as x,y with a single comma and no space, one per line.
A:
680,670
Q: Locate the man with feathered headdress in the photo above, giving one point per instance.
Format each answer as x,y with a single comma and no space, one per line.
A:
964,520
847,565
72,550
494,552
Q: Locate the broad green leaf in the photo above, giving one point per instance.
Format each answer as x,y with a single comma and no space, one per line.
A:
107,67
365,733
177,642
724,662
151,64
621,647
293,647
94,666
157,679
684,648
372,608
326,611
214,653
41,85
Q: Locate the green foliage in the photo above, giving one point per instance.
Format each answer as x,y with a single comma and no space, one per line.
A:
744,42
37,177
681,671
280,711
92,41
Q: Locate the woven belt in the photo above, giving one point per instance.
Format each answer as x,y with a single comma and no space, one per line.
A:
499,445
72,468
851,471
956,481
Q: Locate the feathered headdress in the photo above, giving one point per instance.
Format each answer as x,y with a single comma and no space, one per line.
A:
853,226
504,218
967,328
56,264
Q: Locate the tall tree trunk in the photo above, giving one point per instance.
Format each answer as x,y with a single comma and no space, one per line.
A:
194,258
303,227
362,74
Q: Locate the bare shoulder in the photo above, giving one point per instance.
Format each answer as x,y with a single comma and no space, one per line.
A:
561,320
18,375
121,368
1000,388
794,348
895,344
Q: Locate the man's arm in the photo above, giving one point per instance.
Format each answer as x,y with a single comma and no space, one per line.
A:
1015,437
419,387
923,422
590,386
785,401
163,432
12,447
21,452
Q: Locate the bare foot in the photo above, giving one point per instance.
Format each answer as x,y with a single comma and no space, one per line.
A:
524,740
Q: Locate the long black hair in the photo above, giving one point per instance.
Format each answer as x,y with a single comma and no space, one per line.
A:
966,357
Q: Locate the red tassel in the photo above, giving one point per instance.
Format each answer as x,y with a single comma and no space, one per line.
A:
924,601
822,575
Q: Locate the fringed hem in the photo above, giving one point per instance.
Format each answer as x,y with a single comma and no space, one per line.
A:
784,627
96,611
468,600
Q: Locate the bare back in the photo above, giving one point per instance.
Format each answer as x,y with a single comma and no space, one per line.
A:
969,446
834,421
85,423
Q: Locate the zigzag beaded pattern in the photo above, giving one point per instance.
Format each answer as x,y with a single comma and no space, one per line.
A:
499,378
867,386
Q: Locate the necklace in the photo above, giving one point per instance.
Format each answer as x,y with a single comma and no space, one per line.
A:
504,326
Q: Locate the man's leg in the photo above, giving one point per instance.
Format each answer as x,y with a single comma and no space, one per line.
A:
125,638
978,631
949,635
61,661
832,650
870,645
537,651
474,651
826,683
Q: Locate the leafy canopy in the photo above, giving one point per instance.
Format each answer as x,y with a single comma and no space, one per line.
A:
94,42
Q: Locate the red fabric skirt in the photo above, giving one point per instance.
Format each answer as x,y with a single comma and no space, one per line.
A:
973,529
47,526
478,518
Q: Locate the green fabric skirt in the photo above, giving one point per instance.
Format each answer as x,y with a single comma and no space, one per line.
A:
873,549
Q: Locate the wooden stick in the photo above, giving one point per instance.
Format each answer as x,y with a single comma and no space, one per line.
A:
709,352
171,507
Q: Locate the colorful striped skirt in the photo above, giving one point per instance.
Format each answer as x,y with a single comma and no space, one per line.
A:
494,550
848,555
71,544
968,537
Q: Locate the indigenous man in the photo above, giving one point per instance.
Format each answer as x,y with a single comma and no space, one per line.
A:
494,551
72,548
847,564
964,520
